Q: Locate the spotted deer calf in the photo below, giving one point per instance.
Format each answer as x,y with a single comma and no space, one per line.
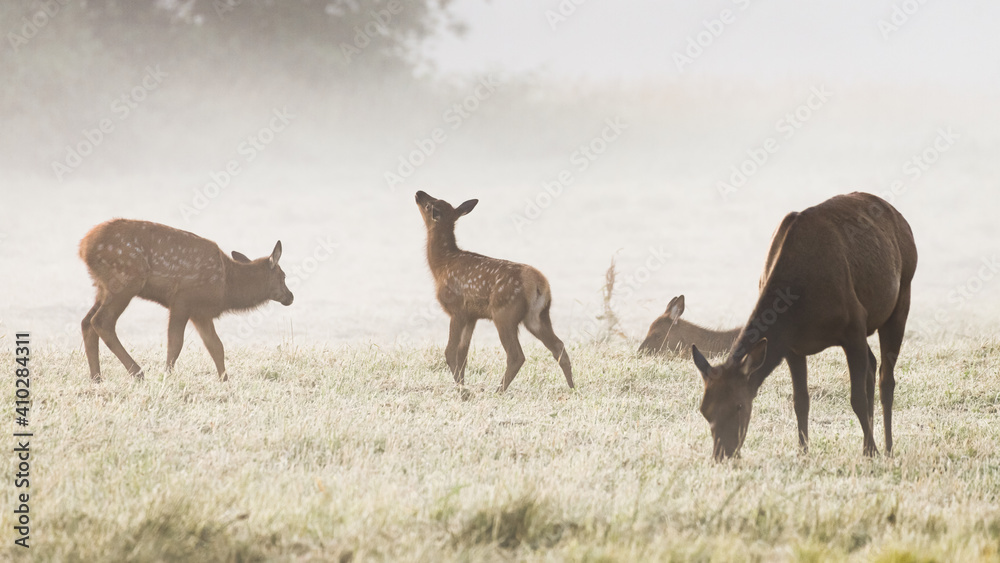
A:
471,287
185,273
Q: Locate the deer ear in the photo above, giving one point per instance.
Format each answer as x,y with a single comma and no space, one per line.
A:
466,207
275,254
701,363
754,358
676,307
241,258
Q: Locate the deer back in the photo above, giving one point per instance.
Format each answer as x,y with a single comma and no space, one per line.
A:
476,285
153,261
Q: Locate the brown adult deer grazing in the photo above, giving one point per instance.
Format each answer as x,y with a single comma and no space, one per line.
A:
671,333
185,273
471,287
835,274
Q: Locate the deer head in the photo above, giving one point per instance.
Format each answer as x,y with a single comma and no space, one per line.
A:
270,273
729,395
656,338
438,214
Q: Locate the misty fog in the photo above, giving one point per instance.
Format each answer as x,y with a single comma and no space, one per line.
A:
670,139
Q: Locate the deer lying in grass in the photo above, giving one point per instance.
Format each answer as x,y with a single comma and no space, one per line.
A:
185,273
671,333
471,287
835,274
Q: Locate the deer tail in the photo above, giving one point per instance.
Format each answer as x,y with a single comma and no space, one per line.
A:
539,302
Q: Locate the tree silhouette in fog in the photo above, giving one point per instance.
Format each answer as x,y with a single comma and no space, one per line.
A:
66,62
334,35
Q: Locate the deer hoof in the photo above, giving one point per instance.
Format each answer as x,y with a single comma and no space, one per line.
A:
464,394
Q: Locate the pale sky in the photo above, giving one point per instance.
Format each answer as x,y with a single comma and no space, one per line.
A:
953,42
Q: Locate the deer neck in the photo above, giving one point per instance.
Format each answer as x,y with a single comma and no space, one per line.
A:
771,319
246,286
441,247
717,341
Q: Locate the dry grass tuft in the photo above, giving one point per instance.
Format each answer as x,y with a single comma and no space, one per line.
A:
611,323
523,522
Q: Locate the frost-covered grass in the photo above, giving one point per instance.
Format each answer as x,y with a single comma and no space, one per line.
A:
363,453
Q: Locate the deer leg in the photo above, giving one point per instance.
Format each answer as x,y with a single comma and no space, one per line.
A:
800,397
175,336
463,350
91,342
870,387
542,330
515,356
206,329
104,322
454,335
890,337
857,365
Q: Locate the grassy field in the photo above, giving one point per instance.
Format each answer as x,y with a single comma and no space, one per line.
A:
362,453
